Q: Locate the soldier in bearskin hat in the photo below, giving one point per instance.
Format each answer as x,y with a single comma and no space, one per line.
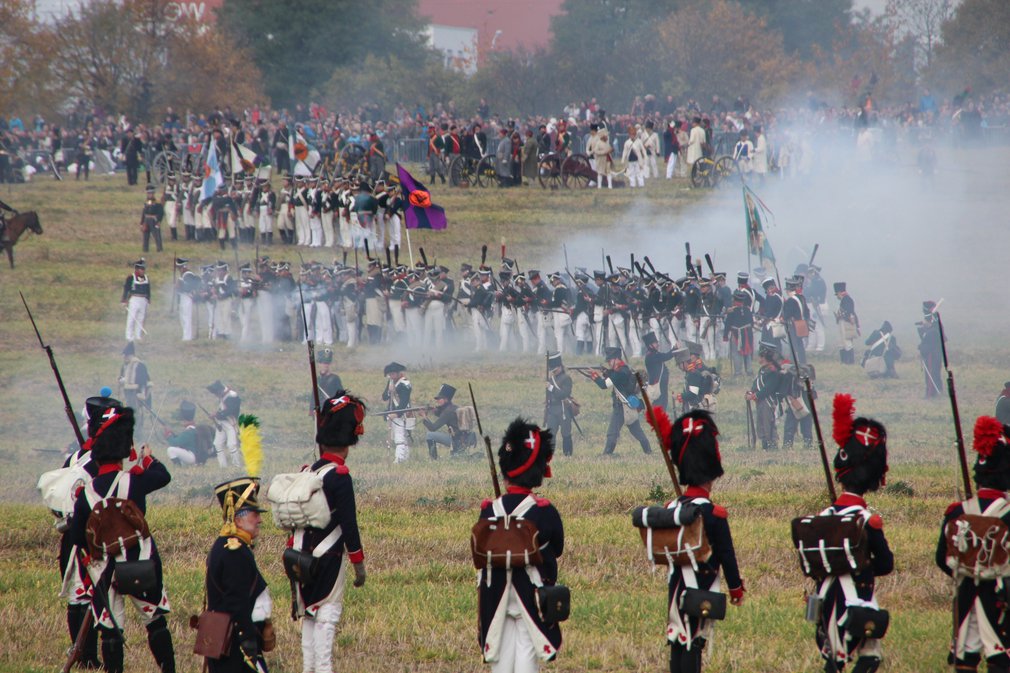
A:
320,598
860,467
693,444
979,611
234,583
513,636
111,444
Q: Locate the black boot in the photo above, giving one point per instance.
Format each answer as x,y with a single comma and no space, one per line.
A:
174,233
270,238
89,652
396,254
871,664
432,450
112,650
578,348
160,641
220,242
566,444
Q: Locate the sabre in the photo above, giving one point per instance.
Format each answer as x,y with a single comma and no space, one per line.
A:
487,444
59,379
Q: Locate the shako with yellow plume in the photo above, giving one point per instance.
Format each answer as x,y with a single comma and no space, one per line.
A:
237,496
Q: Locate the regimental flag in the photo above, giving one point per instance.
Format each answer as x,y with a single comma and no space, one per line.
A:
420,212
302,154
243,157
757,242
212,178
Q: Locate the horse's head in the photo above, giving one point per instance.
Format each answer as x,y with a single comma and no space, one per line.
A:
33,222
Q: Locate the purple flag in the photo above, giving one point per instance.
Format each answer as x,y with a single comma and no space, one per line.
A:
420,212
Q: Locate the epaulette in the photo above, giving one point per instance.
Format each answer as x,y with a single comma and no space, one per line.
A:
951,508
342,469
77,493
233,544
541,502
486,503
876,522
719,512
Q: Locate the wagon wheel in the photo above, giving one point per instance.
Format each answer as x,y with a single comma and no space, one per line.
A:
576,172
164,163
461,171
727,169
549,172
487,173
701,173
352,158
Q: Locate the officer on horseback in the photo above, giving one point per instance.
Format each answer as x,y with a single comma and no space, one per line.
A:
3,221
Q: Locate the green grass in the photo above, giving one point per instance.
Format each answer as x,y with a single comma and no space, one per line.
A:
417,612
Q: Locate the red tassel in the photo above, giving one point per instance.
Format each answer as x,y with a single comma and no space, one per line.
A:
663,425
842,415
988,431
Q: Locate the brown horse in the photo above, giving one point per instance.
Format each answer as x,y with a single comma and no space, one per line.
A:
16,226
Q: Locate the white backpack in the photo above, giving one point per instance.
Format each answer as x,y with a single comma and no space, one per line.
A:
297,499
59,487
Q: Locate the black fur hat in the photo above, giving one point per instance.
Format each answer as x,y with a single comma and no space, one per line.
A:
525,454
113,439
861,461
693,443
97,406
341,420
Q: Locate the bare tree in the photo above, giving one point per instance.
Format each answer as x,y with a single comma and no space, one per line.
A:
923,20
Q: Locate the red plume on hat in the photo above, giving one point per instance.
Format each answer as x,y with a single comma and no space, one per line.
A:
661,422
842,415
988,432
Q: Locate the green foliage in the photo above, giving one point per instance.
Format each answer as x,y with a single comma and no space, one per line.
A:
299,43
974,50
808,27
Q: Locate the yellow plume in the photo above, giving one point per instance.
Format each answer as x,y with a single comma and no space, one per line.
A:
252,448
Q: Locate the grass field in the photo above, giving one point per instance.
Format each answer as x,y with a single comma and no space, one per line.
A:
417,611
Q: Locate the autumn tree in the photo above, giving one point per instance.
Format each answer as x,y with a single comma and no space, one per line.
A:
24,56
922,20
974,49
719,48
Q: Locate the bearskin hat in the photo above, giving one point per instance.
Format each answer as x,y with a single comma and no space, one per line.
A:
341,420
693,445
96,406
525,454
992,444
861,461
113,439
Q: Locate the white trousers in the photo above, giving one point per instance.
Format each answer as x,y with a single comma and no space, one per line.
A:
315,232
186,316
505,327
479,324
265,308
399,432
598,329
352,322
222,318
545,321
583,328
266,221
344,232
318,631
393,231
634,173
434,324
301,225
181,455
245,310
562,326
653,166
516,654
324,325
415,326
226,439
671,164
328,236
136,310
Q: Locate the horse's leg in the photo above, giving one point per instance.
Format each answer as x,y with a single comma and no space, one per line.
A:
10,254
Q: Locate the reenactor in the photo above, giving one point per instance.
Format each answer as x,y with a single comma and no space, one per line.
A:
226,435
559,407
618,377
248,290
266,209
738,332
796,317
445,416
764,392
561,305
396,395
583,312
172,205
136,298
701,383
1003,404
882,352
657,373
187,286
930,348
150,220
848,324
222,289
135,382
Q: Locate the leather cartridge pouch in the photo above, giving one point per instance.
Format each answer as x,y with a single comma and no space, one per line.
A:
134,578
299,566
867,622
555,603
213,634
703,604
269,636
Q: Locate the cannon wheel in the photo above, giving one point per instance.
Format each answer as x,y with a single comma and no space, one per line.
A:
703,173
352,158
163,164
727,169
487,173
549,172
462,171
576,172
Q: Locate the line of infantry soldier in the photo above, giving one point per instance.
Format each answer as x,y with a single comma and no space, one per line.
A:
308,211
108,554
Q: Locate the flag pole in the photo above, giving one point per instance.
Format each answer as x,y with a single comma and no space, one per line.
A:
410,249
747,223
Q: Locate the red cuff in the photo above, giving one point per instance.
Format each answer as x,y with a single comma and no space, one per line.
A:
291,541
356,556
737,593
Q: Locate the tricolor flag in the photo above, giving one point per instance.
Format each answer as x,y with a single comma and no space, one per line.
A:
303,156
757,242
420,212
243,158
212,178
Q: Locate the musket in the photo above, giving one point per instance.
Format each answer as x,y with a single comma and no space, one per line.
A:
957,414
217,423
813,254
400,411
487,445
654,271
547,392
585,371
71,416
99,593
751,431
708,260
175,292
802,372
312,349
650,416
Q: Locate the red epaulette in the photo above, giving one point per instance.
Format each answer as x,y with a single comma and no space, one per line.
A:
876,522
951,508
486,503
720,512
541,502
77,493
342,469
136,470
